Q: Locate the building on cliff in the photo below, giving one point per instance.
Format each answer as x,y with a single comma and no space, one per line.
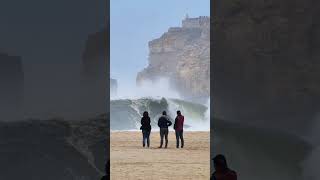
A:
198,22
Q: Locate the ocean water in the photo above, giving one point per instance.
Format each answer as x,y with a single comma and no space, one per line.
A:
125,114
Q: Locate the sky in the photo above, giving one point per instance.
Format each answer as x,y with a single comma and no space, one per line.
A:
134,23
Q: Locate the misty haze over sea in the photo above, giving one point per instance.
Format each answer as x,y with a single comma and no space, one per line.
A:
127,107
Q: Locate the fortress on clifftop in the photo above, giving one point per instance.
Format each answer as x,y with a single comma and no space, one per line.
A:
198,22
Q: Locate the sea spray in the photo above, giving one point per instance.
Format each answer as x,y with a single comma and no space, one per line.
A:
157,89
126,113
129,103
195,114
207,115
311,163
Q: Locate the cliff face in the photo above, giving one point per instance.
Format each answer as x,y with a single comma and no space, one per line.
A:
95,56
95,72
266,67
182,55
12,83
54,149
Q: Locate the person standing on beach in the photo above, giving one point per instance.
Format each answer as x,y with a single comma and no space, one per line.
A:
178,127
146,129
163,124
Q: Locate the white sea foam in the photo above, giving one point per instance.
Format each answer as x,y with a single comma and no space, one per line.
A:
161,89
156,89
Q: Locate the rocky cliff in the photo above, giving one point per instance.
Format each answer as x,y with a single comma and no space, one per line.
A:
95,72
95,56
183,56
12,86
266,62
54,149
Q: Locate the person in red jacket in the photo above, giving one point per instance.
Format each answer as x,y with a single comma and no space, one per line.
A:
222,172
178,127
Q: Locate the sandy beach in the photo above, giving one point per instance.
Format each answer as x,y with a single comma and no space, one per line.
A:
129,160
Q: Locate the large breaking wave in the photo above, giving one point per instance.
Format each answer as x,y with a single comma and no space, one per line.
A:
126,113
127,107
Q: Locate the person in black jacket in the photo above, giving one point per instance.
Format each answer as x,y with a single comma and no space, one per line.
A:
222,171
146,129
163,124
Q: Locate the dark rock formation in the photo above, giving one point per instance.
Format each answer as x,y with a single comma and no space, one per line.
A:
53,149
266,68
95,71
95,56
12,83
182,54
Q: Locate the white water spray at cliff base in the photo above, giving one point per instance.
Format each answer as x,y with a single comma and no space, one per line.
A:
129,103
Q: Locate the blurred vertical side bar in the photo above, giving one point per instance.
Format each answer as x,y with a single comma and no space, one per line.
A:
96,73
212,15
266,87
54,95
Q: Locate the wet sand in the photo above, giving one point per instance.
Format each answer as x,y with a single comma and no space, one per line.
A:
129,160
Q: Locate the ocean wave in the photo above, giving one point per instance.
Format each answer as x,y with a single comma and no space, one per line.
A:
125,114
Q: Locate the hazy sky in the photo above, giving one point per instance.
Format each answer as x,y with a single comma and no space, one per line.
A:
49,36
135,23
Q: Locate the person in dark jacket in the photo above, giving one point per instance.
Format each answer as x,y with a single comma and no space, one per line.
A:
146,129
222,172
178,127
163,124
